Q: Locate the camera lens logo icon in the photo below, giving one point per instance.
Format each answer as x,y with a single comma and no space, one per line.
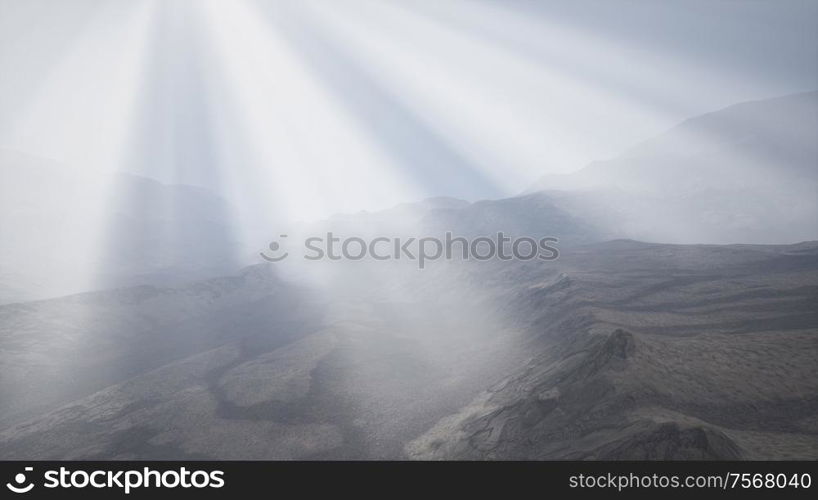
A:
20,479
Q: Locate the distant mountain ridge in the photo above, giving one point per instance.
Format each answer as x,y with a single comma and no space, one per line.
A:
781,129
744,174
64,231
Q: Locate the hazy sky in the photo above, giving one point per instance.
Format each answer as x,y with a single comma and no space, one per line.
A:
314,107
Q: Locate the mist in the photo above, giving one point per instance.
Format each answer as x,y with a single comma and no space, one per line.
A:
164,166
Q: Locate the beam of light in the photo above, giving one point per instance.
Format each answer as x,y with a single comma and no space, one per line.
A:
674,83
541,98
83,108
303,155
304,141
227,100
35,35
657,87
514,118
172,229
80,114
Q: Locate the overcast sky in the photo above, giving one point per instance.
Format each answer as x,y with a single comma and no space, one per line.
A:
339,106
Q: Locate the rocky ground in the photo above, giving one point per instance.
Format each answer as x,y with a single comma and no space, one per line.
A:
619,350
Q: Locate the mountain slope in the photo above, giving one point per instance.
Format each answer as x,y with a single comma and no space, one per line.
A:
617,350
656,352
65,231
56,350
747,173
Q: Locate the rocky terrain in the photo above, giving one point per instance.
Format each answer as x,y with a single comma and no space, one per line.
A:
712,358
619,350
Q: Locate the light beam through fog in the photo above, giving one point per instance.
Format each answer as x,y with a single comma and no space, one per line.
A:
150,150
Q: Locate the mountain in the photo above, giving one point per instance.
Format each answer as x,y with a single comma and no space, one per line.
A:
59,349
618,349
744,174
621,350
655,352
64,231
535,215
